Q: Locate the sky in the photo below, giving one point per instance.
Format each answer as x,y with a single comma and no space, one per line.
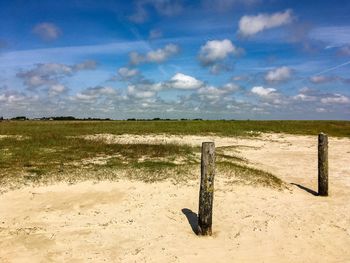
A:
223,59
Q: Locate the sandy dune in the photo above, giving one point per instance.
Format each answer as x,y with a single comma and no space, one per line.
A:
136,222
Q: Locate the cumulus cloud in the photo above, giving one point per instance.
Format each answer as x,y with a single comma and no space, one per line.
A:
51,73
56,89
184,82
147,91
160,55
136,58
155,56
335,99
212,93
44,74
313,95
11,98
127,73
47,31
216,50
263,92
279,74
135,92
321,79
304,97
251,25
269,96
214,54
93,93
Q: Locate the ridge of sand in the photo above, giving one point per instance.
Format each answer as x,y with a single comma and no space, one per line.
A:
128,221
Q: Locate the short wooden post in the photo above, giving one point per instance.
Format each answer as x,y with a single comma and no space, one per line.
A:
322,164
206,192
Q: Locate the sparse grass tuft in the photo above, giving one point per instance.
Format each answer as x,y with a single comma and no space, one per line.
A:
239,173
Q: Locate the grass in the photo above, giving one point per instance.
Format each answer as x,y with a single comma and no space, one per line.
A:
240,173
45,151
224,128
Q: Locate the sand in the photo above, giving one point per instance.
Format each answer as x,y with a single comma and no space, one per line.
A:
129,221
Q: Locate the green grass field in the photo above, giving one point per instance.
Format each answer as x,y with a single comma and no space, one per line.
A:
49,151
224,128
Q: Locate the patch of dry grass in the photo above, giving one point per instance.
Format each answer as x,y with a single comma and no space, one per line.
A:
37,153
244,174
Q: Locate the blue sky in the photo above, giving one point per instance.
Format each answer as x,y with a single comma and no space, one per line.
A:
223,59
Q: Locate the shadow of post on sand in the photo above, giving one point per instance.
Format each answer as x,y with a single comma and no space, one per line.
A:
192,219
310,191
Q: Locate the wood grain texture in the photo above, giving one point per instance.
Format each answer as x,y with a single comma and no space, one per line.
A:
206,193
322,164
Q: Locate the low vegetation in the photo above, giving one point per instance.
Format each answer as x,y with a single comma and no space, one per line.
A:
224,128
49,151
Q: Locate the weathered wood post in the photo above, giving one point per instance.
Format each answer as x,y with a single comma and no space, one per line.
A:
322,164
206,192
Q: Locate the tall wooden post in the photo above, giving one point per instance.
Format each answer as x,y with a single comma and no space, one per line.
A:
206,192
322,164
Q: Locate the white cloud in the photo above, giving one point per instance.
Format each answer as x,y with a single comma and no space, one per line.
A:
270,96
184,82
304,97
216,50
94,93
47,31
127,73
263,92
155,56
136,58
83,96
217,93
279,74
307,94
321,79
230,87
57,89
335,99
134,92
12,98
50,73
161,55
251,25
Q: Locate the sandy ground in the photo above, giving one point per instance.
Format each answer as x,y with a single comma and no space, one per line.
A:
137,222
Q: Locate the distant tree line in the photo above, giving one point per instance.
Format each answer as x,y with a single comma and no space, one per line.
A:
55,118
71,118
160,119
